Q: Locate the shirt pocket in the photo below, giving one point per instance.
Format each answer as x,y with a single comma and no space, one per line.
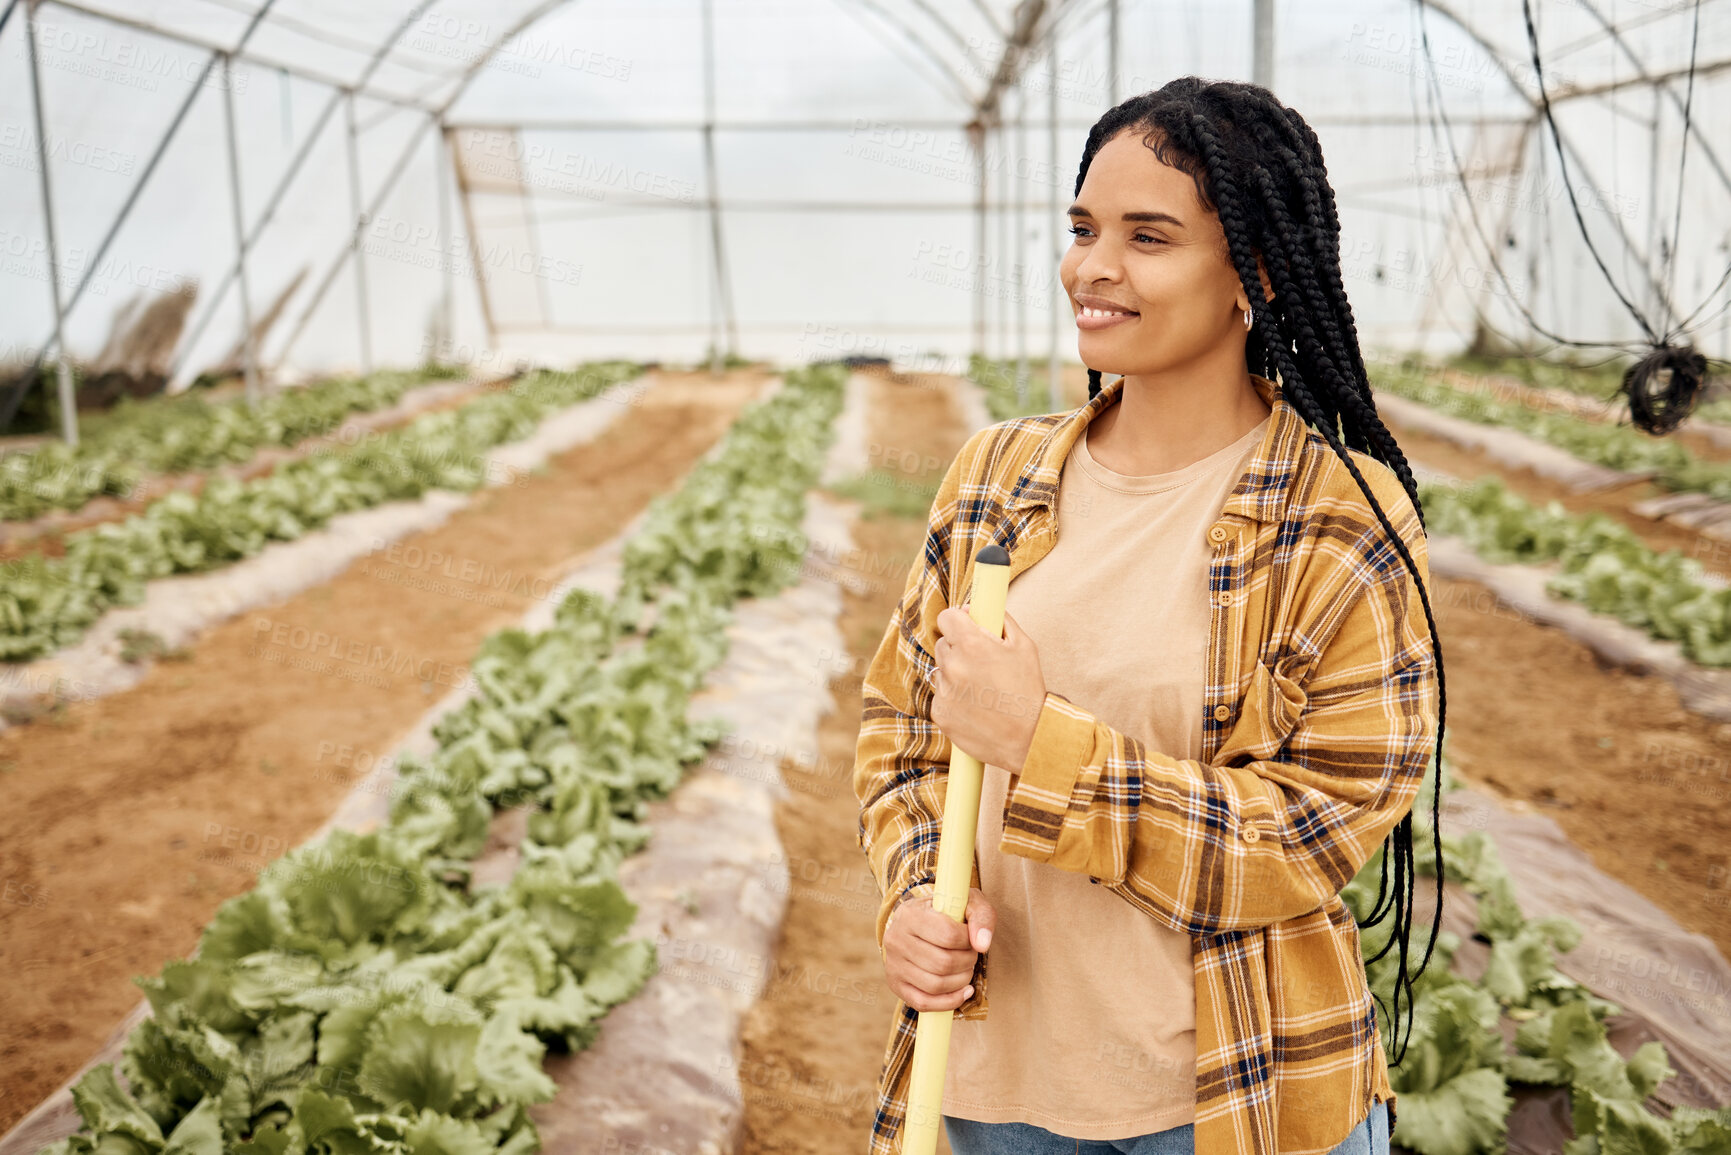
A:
1268,712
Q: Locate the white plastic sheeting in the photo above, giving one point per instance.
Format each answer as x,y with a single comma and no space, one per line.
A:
572,214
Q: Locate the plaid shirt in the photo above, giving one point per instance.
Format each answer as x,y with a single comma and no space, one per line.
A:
1319,721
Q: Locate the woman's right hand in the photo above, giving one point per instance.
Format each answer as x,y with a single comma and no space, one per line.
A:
928,956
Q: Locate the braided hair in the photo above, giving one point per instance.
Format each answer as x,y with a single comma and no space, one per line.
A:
1259,166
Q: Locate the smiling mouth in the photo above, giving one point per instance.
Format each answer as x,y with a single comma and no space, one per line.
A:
1104,313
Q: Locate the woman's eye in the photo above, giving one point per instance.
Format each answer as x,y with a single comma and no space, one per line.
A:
1076,230
1145,237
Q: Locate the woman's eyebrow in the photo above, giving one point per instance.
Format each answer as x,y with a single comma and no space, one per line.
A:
1149,218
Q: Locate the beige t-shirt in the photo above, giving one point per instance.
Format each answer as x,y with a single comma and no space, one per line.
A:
1073,1041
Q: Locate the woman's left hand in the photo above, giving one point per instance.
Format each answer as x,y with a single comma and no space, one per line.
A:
987,692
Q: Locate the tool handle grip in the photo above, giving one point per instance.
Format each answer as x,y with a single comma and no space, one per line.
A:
990,590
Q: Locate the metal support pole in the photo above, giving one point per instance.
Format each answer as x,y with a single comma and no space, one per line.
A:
395,173
1001,256
63,364
362,315
1112,88
248,339
1655,299
1021,281
296,165
532,225
721,300
1262,49
132,195
479,269
1054,224
447,243
977,138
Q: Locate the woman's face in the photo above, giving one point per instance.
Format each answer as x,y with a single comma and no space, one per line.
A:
1153,260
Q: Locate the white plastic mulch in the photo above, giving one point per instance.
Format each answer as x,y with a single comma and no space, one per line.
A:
1507,446
1705,690
710,886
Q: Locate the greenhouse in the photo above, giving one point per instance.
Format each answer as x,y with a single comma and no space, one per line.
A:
533,613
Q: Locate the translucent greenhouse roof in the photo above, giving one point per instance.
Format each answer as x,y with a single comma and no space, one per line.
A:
564,178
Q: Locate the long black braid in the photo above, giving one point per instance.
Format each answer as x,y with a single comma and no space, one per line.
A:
1259,166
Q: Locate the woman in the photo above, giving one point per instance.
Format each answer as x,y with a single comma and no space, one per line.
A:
1213,699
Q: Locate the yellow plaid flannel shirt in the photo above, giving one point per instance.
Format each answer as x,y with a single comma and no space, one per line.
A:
1319,721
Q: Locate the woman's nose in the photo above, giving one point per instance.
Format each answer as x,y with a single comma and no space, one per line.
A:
1099,263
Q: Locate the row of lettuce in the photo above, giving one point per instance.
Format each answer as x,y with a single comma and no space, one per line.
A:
1601,381
48,602
1454,1100
368,994
161,435
1458,1066
1456,1074
1614,446
1601,563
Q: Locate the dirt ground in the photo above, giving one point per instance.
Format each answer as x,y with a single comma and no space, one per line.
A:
809,1062
132,817
1579,743
1637,781
112,871
1584,740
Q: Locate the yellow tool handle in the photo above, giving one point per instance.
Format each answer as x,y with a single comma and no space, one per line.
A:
955,871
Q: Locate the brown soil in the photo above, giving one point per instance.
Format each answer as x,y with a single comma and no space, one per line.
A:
809,1061
117,871
131,817
1470,465
1579,743
1637,781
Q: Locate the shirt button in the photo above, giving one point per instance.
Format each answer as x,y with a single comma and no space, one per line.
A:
1225,598
1218,533
1221,713
1251,834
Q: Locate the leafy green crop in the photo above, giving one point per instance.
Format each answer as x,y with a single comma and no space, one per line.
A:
998,379
177,434
366,996
1604,564
1454,1076
47,603
1602,381
1616,446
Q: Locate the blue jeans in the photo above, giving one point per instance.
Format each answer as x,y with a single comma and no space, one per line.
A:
968,1137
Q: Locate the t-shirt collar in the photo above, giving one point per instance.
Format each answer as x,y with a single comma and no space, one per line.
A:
1260,494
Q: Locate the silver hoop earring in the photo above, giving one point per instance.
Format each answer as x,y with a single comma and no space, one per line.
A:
1247,320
